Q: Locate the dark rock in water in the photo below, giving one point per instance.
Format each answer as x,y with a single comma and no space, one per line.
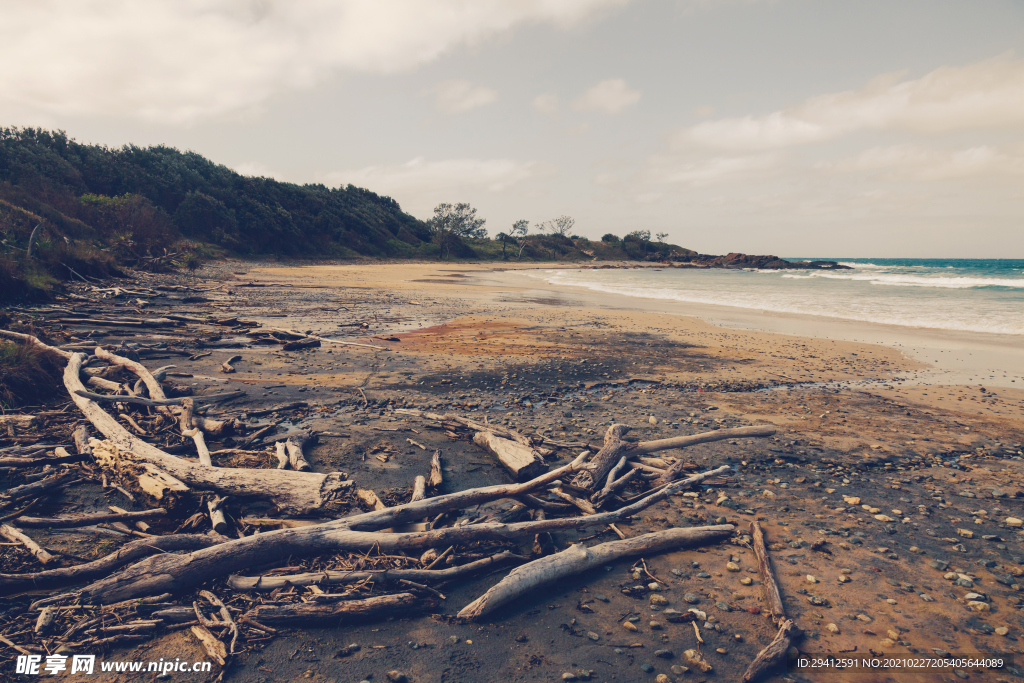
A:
739,261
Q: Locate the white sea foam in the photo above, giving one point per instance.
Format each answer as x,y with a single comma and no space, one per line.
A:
964,303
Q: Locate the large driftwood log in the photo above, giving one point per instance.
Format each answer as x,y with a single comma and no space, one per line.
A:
577,559
15,535
130,552
293,492
174,573
522,462
88,520
346,611
504,433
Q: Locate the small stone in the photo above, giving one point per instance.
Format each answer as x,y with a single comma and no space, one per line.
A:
974,596
664,654
679,670
455,639
1002,631
965,533
938,564
699,614
886,642
662,678
703,575
723,606
601,597
1014,522
629,626
746,581
811,579
653,420
890,601
843,578
397,677
655,625
693,658
832,628
721,651
647,668
593,636
691,598
654,586
851,500
569,676
732,567
865,618
978,606
658,599
884,518
893,635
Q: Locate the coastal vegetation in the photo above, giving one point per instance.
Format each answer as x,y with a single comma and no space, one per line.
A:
97,210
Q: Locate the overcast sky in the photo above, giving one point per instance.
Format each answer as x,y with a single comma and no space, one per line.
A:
792,127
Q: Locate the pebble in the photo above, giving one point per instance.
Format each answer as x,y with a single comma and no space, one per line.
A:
655,625
658,599
811,579
662,678
397,677
569,677
699,614
1002,631
886,642
691,598
893,635
965,533
593,636
629,626
746,581
721,651
843,578
600,597
978,606
732,566
891,601
1014,522
851,500
679,670
865,618
664,654
647,668
654,586
832,628
723,606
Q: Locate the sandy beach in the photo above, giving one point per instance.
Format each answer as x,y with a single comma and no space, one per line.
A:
885,493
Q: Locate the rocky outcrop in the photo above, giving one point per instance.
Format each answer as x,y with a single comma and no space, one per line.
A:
736,260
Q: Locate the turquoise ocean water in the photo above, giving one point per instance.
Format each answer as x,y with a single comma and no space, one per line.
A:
977,295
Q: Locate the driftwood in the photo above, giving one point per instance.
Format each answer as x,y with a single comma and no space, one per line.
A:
339,612
614,448
174,573
130,552
81,437
282,455
269,583
436,477
15,535
522,462
772,655
88,520
294,445
577,559
217,518
158,403
419,488
295,492
227,366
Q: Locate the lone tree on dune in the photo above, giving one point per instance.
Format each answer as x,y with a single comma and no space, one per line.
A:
561,226
661,236
453,223
518,234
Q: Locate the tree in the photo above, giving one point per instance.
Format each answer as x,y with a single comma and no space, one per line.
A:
639,235
609,237
504,238
518,233
661,236
560,226
453,223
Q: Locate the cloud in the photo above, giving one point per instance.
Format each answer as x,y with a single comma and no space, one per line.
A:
913,162
546,104
453,97
612,96
702,172
180,61
420,184
988,94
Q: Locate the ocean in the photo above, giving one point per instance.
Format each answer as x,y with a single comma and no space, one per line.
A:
977,295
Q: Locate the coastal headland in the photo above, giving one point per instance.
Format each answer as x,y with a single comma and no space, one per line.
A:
890,495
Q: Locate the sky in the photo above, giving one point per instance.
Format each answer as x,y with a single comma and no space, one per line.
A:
792,127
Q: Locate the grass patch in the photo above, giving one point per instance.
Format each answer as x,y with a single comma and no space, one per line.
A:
28,375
